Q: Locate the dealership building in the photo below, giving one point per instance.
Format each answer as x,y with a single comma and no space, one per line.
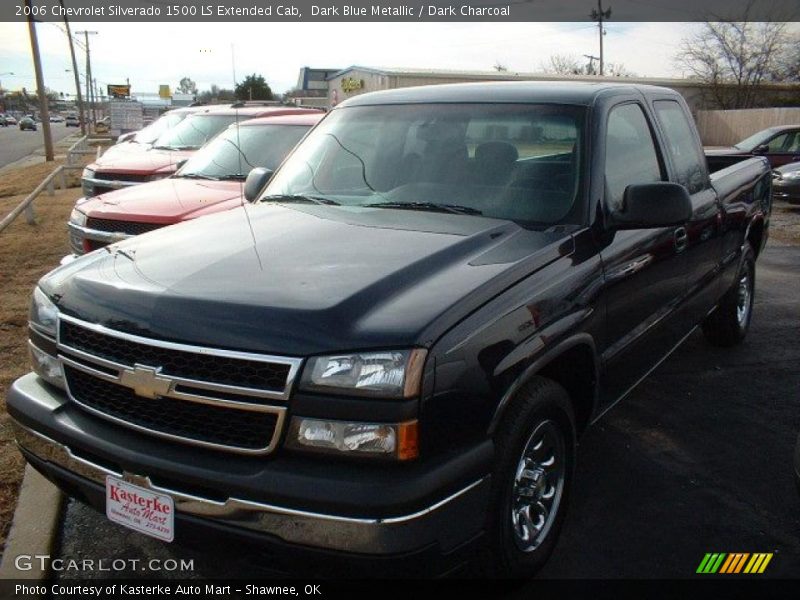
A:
340,85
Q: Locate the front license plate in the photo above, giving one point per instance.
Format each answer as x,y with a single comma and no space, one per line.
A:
140,509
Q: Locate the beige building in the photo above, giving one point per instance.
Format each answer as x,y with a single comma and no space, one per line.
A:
356,80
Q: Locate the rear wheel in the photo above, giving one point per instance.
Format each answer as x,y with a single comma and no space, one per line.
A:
535,446
728,325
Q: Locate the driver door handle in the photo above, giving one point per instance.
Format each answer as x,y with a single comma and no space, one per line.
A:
681,239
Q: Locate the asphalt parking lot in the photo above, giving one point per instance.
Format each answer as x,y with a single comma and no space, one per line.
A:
698,459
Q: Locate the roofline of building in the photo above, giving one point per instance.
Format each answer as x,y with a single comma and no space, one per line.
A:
523,76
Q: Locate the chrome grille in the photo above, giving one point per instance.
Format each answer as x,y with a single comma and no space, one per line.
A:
205,396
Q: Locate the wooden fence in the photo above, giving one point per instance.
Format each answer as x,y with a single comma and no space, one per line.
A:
726,127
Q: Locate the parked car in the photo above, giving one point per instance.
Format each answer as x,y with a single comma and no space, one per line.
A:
153,130
786,183
780,145
11,120
171,149
3,121
392,352
210,181
27,123
72,121
56,119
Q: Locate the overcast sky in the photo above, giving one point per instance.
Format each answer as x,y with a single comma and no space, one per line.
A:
163,53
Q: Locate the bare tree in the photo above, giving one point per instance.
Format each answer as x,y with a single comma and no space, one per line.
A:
500,67
569,64
564,64
735,58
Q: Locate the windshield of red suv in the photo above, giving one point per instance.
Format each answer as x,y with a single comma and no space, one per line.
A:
237,150
193,132
152,132
519,162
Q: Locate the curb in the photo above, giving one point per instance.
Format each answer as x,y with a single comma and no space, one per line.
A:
34,527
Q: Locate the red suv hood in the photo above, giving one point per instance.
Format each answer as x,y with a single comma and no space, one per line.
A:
166,201
141,163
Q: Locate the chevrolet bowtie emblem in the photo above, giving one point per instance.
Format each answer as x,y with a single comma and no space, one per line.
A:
146,381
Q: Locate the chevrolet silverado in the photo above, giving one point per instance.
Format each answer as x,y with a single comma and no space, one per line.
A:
390,354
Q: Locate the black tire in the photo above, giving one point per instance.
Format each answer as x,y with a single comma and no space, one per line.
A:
729,324
542,407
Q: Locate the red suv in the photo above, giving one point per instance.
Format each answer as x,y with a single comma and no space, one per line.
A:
172,148
211,181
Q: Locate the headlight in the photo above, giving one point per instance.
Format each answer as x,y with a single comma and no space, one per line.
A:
77,217
87,174
42,343
387,374
377,440
43,314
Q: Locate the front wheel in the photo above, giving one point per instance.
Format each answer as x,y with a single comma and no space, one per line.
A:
728,325
535,446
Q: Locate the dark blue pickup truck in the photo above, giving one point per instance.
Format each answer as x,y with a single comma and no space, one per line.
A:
390,353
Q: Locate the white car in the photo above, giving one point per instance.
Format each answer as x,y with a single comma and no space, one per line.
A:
56,119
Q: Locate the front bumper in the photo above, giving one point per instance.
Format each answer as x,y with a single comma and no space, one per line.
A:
79,234
786,189
348,507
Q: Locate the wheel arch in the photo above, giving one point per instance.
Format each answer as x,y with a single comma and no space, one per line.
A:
573,363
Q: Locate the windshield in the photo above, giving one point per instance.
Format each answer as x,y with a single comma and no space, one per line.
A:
193,132
508,161
233,153
754,140
151,133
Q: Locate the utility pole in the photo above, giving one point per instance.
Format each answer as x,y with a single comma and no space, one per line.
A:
590,67
600,15
75,71
89,91
37,66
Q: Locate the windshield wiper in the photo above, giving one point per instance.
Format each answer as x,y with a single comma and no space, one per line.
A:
432,206
299,198
197,176
232,177
175,147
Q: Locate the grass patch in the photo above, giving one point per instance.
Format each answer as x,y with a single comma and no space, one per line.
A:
26,253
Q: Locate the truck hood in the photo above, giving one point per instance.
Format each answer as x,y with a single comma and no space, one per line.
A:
299,279
165,201
140,163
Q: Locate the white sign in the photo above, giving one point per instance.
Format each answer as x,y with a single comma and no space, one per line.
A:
140,509
125,115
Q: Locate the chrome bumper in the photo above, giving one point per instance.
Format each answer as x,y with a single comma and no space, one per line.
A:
78,233
449,522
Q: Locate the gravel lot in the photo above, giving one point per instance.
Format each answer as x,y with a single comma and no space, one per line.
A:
696,460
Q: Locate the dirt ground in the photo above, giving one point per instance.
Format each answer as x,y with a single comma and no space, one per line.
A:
26,253
785,223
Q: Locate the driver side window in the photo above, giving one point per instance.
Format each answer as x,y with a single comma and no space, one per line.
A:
631,155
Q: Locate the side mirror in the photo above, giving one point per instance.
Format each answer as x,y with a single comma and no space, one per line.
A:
255,182
653,205
762,149
125,137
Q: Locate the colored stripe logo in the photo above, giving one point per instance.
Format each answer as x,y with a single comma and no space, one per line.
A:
735,562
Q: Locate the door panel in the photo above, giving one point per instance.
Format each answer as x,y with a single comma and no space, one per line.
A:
645,269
